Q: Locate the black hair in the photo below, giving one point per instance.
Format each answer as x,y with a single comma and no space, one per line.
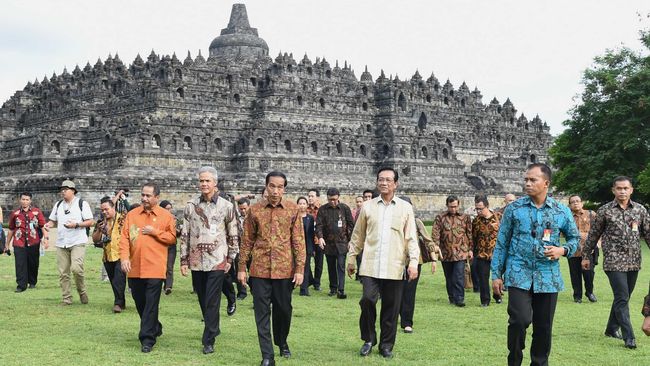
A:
450,199
28,194
243,200
368,191
155,186
108,200
315,190
574,195
385,168
276,173
333,192
621,178
481,198
546,171
165,203
302,198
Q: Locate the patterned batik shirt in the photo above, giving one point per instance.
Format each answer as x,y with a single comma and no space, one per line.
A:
453,234
620,232
335,225
519,253
484,235
645,311
25,225
274,239
209,237
583,221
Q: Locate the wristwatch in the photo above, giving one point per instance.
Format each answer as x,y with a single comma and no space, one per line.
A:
566,251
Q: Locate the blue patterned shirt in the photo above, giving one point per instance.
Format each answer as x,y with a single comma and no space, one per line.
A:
519,253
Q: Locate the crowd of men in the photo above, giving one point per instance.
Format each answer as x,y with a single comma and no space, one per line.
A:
266,247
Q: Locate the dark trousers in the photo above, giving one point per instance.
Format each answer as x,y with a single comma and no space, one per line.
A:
318,266
241,289
407,307
146,295
483,274
118,281
228,287
208,289
524,307
391,299
455,281
622,284
171,259
577,275
272,299
473,266
26,263
307,278
336,272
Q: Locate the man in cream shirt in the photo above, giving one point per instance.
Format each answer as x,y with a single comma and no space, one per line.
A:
385,230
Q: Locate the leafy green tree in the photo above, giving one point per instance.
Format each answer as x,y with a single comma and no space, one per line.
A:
608,133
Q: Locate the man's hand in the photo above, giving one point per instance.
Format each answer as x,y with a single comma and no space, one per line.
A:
184,269
470,254
551,252
149,230
321,243
126,265
241,277
586,263
70,224
45,242
433,267
412,272
297,279
351,269
646,326
227,267
497,287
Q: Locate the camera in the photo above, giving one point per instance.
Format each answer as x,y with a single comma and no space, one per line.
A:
125,190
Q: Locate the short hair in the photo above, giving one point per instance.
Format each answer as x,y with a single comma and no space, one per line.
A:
315,190
28,194
359,197
451,198
134,206
386,168
108,200
621,178
368,191
276,173
165,203
546,171
243,201
211,170
333,192
481,198
302,198
574,195
155,186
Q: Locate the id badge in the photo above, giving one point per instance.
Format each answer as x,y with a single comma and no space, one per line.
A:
340,223
547,235
635,226
213,229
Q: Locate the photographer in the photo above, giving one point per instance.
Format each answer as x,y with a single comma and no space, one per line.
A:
107,235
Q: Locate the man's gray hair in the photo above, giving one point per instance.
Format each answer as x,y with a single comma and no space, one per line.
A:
211,170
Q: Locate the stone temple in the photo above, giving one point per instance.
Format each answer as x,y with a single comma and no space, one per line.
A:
112,125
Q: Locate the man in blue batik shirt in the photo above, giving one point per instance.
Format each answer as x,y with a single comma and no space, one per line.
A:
526,262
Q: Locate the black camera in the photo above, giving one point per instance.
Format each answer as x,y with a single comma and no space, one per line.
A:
125,190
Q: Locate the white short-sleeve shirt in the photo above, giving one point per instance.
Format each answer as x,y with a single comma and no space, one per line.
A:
70,212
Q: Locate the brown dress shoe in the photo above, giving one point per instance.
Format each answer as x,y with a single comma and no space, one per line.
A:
83,298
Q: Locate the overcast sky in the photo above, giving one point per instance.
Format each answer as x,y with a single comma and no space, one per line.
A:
533,52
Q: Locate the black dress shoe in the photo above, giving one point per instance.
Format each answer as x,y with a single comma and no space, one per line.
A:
366,349
386,353
341,295
168,291
630,343
615,334
241,296
592,298
31,285
208,348
460,304
284,351
267,362
145,349
231,309
498,300
304,293
18,290
577,300
331,293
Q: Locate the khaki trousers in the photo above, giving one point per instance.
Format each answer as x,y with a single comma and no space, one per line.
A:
71,260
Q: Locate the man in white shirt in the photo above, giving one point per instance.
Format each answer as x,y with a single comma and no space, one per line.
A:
385,230
75,217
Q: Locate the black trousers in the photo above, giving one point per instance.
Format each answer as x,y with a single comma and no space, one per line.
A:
336,272
146,295
171,259
208,289
228,287
474,272
318,266
524,307
483,274
308,276
241,289
622,284
26,263
407,307
391,299
118,281
455,281
272,299
577,275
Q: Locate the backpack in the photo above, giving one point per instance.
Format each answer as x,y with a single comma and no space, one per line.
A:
81,202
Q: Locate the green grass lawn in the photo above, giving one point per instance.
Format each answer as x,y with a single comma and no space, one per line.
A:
35,330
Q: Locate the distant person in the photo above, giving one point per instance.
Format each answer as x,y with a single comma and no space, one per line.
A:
26,225
526,260
583,219
507,199
368,194
310,228
171,251
620,225
358,202
485,228
72,216
242,205
645,311
313,196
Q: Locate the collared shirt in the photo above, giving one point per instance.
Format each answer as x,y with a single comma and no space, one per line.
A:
210,235
64,212
519,253
25,225
453,234
583,221
355,213
112,230
335,225
148,253
386,232
274,239
484,235
620,232
313,210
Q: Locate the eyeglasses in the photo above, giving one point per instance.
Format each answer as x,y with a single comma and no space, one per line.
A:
387,180
63,189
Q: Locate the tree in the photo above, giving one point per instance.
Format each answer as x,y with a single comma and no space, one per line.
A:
608,133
